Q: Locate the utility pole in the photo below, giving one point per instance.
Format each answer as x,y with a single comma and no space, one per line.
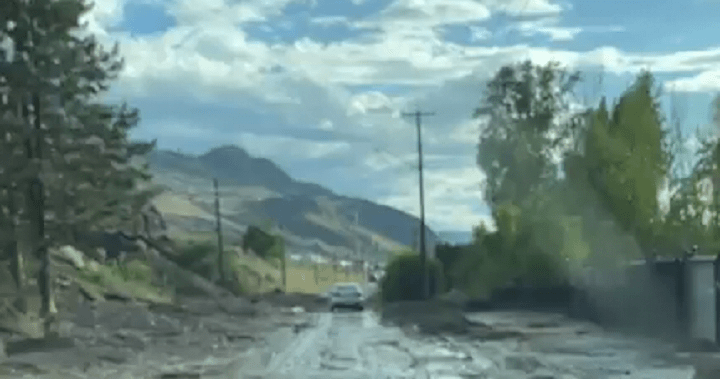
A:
218,228
358,251
283,260
418,115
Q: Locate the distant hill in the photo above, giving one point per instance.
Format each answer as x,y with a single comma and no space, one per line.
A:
255,191
455,237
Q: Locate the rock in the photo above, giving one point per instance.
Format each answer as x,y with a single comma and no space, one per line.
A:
112,354
525,363
180,375
22,368
62,328
2,349
238,306
89,292
132,339
92,265
71,255
117,295
23,324
98,254
85,315
167,308
236,337
166,326
33,345
115,315
430,316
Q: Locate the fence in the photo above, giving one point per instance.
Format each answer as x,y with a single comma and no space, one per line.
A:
670,298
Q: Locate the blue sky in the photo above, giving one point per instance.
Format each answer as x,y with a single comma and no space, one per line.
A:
317,85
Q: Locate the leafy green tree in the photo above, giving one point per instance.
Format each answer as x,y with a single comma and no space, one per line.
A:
626,161
523,104
529,123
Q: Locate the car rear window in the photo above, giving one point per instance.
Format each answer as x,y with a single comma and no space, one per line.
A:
348,289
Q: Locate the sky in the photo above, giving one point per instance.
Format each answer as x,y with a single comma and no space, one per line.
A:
319,86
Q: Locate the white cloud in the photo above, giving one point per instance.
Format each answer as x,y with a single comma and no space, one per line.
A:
228,12
525,7
704,81
272,146
428,13
452,196
478,33
326,125
373,102
177,129
329,20
208,58
550,27
467,132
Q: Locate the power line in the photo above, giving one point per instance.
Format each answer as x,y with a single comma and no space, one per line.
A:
418,115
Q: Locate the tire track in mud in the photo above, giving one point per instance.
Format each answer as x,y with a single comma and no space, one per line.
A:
356,346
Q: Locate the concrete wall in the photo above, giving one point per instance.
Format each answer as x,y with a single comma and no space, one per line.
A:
674,299
702,307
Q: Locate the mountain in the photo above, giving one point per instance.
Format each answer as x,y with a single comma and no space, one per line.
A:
255,191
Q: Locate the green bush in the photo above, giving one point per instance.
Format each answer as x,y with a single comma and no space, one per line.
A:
490,263
262,243
194,253
137,271
449,255
403,279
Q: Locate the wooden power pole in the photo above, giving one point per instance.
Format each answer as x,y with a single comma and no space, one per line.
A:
418,115
218,229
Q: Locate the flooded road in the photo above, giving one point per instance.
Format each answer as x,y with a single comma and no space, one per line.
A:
354,345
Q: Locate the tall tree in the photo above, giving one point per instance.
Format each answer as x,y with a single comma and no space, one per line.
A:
625,158
530,121
76,147
525,105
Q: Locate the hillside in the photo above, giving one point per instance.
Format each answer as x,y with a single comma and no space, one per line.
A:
255,191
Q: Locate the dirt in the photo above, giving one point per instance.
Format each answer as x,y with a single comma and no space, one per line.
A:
113,338
430,317
308,302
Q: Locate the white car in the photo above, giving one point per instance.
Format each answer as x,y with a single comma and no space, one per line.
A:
346,295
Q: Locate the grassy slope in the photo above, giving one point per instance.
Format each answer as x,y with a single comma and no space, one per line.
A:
259,275
168,203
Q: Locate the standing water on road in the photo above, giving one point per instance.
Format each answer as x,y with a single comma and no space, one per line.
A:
355,345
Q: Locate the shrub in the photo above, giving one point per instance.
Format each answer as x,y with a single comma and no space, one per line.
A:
449,255
265,245
137,271
194,253
403,279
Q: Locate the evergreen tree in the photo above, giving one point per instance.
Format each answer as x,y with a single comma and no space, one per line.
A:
60,135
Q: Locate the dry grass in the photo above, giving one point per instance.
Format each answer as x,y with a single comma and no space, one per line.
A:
301,278
260,275
167,203
184,238
134,279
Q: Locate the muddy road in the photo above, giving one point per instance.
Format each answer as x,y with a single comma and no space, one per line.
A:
284,342
355,345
